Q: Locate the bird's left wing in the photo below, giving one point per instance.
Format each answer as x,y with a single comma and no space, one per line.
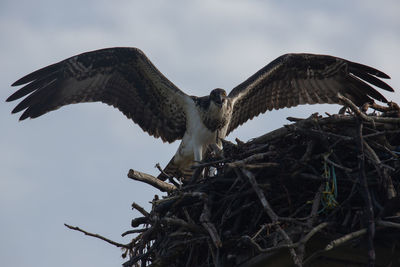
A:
295,79
122,77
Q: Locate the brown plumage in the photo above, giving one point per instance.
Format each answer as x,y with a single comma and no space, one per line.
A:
126,79
295,79
122,77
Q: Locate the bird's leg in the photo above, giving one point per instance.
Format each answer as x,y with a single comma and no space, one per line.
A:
198,157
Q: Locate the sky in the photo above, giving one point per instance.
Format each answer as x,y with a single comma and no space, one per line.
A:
70,165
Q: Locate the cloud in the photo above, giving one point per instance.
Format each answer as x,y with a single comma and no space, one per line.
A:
71,165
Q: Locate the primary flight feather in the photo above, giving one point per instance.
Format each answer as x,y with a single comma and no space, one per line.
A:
126,79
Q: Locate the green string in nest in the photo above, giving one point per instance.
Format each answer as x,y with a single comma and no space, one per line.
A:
329,195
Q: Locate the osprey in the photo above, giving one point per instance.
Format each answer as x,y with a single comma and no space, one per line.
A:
126,79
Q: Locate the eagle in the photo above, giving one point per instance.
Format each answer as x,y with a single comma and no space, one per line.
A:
125,78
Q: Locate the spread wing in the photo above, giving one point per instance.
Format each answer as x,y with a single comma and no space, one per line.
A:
122,77
295,79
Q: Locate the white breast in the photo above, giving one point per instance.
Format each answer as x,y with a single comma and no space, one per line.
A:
196,138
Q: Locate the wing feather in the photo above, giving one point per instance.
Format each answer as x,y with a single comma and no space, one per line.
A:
122,77
294,79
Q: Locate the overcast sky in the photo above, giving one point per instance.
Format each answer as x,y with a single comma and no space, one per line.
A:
70,165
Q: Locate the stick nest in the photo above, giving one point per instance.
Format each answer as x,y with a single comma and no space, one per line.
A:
335,178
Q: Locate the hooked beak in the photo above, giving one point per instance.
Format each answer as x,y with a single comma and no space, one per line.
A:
220,100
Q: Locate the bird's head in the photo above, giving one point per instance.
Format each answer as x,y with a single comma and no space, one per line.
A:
218,96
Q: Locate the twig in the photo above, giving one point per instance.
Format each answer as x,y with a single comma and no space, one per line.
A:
381,133
162,171
252,158
265,250
385,119
151,180
314,209
139,221
294,119
388,224
312,177
272,215
338,165
257,149
350,236
388,183
164,176
307,155
304,240
180,223
140,209
267,207
313,231
205,221
208,164
97,236
354,108
135,231
241,164
337,242
315,206
263,227
366,194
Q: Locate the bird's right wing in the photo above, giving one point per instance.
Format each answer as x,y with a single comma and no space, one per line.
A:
122,77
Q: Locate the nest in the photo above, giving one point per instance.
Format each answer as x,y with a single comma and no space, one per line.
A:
287,198
332,179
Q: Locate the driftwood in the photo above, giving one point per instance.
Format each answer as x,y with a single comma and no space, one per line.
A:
332,180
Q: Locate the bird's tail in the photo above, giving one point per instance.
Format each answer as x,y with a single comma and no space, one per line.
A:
173,170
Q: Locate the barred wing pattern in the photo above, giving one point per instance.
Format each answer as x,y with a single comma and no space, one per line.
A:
295,79
122,77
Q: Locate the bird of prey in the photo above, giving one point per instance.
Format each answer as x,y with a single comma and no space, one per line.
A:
126,79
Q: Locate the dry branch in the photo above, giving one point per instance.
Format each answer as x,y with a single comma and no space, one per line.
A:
97,236
151,180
